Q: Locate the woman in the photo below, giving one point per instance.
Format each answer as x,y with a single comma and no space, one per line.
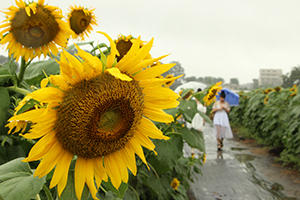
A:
221,122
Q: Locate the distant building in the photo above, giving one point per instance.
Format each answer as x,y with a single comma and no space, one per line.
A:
270,77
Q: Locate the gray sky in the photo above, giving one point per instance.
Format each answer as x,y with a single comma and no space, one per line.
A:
220,38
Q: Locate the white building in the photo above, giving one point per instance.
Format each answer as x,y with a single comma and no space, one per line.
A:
270,77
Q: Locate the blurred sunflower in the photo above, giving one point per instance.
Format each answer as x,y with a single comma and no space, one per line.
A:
124,43
33,29
101,113
212,92
278,89
81,21
175,183
266,100
293,94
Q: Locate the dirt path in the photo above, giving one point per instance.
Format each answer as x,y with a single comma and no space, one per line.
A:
243,170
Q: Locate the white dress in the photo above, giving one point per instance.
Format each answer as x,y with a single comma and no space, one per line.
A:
198,121
221,121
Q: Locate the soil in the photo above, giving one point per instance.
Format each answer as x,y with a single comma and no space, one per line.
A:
287,177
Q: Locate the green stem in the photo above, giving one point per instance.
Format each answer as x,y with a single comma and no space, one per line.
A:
19,90
38,197
103,189
48,193
22,70
137,195
153,169
3,142
172,133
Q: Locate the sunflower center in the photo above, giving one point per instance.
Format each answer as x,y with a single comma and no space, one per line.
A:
35,31
99,116
79,21
123,47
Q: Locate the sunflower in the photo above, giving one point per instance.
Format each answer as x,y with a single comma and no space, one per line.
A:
124,43
278,89
212,92
33,29
266,100
169,83
81,21
293,94
101,113
204,158
175,183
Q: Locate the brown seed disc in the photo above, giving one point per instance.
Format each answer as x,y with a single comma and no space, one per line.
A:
38,30
99,116
79,21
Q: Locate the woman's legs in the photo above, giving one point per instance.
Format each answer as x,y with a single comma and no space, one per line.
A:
218,127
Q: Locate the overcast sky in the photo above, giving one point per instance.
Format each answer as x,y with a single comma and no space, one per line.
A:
219,38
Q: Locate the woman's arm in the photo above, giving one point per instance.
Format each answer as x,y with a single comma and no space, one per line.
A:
227,108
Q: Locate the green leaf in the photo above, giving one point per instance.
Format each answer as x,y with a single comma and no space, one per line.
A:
194,138
98,47
69,191
205,117
34,72
169,151
17,181
111,196
159,185
119,192
4,104
29,104
15,151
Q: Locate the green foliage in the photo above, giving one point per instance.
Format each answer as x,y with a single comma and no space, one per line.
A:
17,181
272,118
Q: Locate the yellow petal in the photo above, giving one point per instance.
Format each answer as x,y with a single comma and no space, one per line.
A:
138,150
159,94
112,171
79,176
41,148
153,71
89,175
116,73
162,104
60,81
148,128
113,52
143,140
130,159
158,115
48,95
61,169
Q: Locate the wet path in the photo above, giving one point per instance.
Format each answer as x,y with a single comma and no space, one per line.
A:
231,174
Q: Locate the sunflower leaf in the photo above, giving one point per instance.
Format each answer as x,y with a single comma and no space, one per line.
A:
35,71
169,151
17,181
194,138
119,192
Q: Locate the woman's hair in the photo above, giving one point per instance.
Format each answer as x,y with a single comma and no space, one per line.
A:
199,90
223,95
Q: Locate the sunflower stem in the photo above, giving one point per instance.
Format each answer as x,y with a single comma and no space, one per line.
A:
38,197
153,169
137,195
24,65
103,189
48,193
19,90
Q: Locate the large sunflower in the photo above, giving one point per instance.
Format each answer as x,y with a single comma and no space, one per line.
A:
212,92
33,29
81,21
101,113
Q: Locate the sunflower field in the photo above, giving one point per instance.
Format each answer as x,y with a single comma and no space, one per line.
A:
90,124
271,117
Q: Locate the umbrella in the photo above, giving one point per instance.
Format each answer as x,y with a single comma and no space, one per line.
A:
231,97
191,85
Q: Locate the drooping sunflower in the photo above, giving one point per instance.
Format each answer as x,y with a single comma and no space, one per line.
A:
124,43
33,29
175,183
100,113
212,92
266,100
81,21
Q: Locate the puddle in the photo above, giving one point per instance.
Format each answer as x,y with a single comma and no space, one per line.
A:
238,148
244,157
